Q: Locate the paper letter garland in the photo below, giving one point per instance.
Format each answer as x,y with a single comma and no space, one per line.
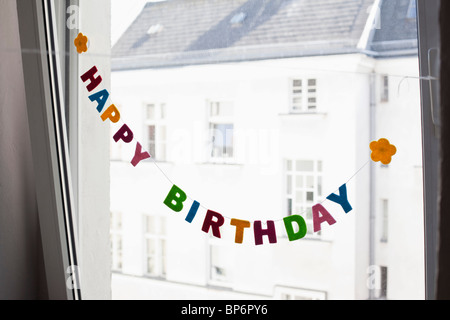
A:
382,151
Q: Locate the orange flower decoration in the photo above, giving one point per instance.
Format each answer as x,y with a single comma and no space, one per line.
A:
382,151
81,43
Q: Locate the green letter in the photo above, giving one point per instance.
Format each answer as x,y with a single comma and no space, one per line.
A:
175,199
290,230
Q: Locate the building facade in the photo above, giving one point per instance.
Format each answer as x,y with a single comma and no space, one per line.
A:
259,111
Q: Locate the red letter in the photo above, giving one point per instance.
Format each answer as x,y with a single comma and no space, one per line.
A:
320,214
260,232
90,76
208,222
138,155
124,133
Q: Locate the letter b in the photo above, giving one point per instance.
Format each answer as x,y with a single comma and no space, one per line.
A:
175,199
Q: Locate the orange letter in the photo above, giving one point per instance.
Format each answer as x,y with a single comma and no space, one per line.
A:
240,225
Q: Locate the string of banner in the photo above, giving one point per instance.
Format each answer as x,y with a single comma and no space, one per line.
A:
295,225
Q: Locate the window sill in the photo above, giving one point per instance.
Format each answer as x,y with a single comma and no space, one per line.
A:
313,239
289,114
221,162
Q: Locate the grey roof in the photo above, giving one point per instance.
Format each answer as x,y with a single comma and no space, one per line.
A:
397,30
183,32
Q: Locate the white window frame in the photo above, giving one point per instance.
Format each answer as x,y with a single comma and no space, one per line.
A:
160,124
74,222
217,120
160,238
116,234
290,293
307,92
291,175
227,281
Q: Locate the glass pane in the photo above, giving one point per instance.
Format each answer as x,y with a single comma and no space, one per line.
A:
250,113
289,184
151,112
319,186
299,197
310,182
150,224
151,247
306,166
288,165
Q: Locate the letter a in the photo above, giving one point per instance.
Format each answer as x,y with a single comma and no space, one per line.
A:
320,215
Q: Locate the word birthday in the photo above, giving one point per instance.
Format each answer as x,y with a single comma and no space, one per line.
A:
111,113
214,221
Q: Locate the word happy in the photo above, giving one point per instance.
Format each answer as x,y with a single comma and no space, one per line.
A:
112,114
213,221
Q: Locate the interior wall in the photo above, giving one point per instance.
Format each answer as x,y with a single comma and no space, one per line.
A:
443,280
21,275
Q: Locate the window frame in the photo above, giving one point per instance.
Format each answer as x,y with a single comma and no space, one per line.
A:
429,39
50,155
218,120
47,122
160,124
161,239
294,173
305,95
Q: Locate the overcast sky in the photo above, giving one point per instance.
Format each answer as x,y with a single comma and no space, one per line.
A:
123,12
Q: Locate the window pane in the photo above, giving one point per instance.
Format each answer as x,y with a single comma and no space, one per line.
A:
306,166
254,107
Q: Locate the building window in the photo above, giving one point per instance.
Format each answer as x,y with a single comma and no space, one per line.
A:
287,293
384,88
155,244
116,238
412,10
303,189
220,271
384,282
384,220
221,130
303,95
155,129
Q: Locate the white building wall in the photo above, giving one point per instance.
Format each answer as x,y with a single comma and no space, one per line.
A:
401,182
252,187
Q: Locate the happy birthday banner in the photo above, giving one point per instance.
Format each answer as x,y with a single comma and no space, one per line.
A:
382,151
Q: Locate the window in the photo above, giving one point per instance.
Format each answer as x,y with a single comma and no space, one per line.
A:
384,88
155,127
381,293
221,130
384,220
155,246
116,236
412,10
303,95
220,265
303,189
287,293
